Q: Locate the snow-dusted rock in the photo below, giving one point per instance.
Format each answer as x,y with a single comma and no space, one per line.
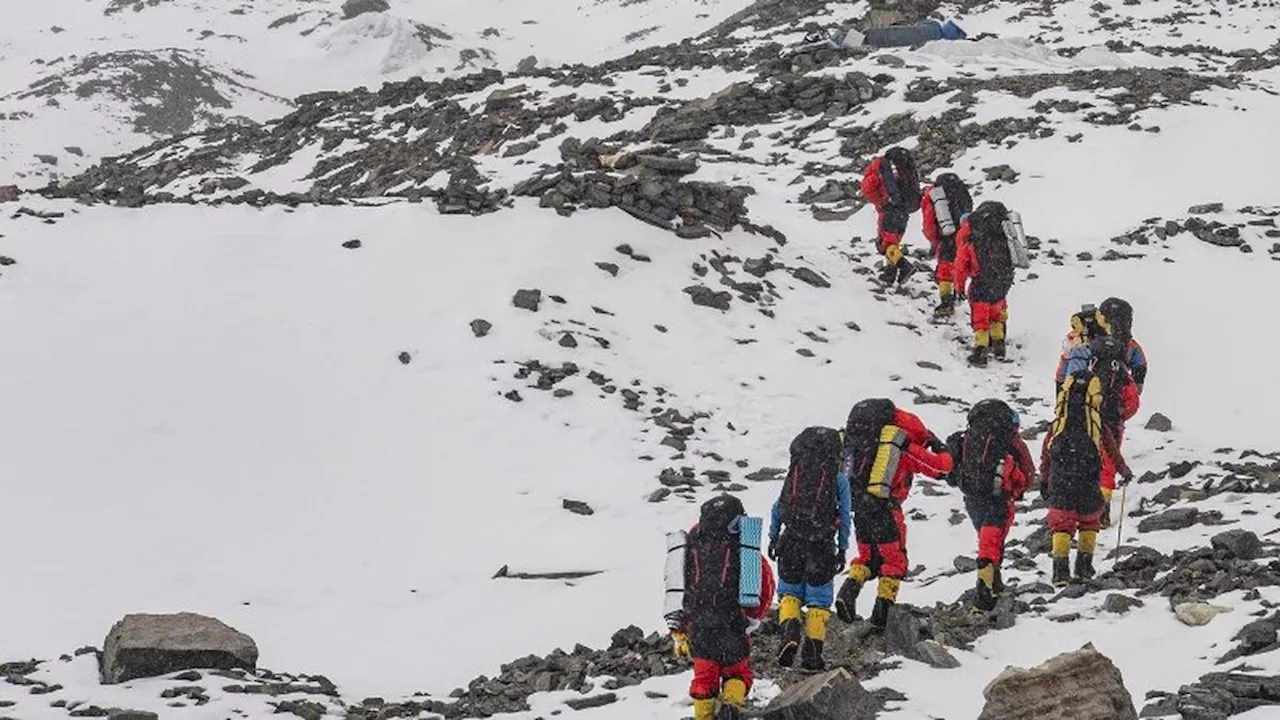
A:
1078,685
145,645
833,695
1196,614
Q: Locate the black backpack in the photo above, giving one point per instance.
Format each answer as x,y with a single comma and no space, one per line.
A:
1077,426
1107,362
712,565
958,198
808,502
995,261
900,160
988,440
862,439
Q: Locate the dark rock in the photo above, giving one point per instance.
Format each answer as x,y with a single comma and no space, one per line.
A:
627,638
1120,604
1072,686
567,340
404,358
140,646
811,277
355,8
481,327
351,244
594,701
608,267
1159,423
117,714
902,632
833,695
1179,470
577,507
527,65
1178,518
693,232
1242,544
9,193
706,297
527,299
659,495
1206,209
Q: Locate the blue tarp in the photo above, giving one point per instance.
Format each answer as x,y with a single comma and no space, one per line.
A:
909,35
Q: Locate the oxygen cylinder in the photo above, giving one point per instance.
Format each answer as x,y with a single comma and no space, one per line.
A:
1017,240
942,210
673,573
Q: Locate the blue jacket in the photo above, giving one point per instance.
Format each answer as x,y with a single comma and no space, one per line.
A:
1079,360
844,502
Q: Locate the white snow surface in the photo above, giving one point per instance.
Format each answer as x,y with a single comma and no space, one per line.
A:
203,408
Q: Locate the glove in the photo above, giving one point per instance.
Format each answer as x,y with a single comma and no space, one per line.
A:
1127,475
753,625
679,644
838,561
675,620
960,294
935,445
773,549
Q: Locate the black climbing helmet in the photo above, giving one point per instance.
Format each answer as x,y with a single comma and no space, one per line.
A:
1118,315
721,513
992,407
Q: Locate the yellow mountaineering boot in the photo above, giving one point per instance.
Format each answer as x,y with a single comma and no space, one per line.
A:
704,709
789,619
815,633
997,340
886,596
847,598
732,698
1061,559
984,597
981,345
1085,545
946,300
1106,506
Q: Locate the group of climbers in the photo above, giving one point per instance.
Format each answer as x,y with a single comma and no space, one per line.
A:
850,484
976,248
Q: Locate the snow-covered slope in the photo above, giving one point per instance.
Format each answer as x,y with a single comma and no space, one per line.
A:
85,74
207,409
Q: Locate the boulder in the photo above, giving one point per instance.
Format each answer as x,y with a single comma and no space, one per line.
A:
9,193
1178,518
143,645
1159,423
1242,544
1198,613
355,8
527,299
833,695
1079,685
481,327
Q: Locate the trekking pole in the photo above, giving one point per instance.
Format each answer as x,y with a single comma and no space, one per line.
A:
1124,496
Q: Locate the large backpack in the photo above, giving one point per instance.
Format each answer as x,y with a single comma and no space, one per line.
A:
988,440
1076,434
951,202
808,503
713,565
995,261
1107,362
908,178
873,448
